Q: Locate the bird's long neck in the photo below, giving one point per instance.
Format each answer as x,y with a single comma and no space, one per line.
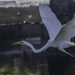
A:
38,50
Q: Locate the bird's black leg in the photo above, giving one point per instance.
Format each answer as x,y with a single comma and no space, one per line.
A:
73,57
61,49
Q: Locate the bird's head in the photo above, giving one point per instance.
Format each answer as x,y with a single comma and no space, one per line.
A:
18,43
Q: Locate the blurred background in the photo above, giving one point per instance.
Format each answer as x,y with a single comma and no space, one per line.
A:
20,20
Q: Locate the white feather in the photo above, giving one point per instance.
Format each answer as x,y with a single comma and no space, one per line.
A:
67,31
50,21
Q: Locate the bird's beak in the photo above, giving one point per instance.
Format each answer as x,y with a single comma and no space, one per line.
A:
17,43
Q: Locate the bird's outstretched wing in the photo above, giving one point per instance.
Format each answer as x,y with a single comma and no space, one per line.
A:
50,20
66,32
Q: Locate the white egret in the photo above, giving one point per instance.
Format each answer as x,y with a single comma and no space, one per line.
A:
59,35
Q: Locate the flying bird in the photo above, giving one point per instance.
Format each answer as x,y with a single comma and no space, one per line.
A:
59,35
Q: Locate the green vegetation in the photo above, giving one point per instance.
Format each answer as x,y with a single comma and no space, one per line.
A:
18,67
7,70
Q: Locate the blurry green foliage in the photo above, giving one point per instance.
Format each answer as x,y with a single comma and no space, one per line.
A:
7,70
